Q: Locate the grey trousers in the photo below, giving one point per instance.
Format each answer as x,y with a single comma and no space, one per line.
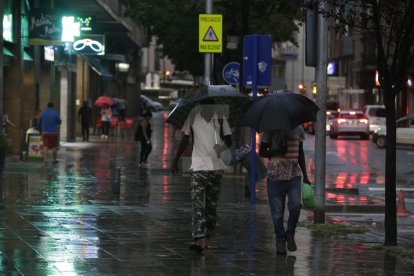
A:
205,190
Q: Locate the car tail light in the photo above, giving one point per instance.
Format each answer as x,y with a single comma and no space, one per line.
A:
363,121
342,121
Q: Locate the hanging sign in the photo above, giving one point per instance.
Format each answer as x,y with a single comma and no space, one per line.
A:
45,27
89,45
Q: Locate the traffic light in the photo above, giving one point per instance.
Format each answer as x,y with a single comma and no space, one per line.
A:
302,88
314,90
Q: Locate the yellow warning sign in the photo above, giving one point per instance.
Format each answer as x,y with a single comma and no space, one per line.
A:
210,33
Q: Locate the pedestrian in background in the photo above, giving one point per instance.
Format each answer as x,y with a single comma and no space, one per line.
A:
206,169
34,125
120,106
34,122
143,134
285,172
5,122
106,115
49,127
84,118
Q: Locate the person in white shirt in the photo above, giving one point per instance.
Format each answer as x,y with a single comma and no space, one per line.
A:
206,169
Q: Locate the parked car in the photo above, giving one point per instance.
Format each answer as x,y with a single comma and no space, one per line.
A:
404,130
151,105
349,122
330,115
376,116
310,126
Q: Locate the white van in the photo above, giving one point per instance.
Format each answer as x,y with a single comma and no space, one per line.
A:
376,116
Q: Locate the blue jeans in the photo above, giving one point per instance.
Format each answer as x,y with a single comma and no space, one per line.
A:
277,192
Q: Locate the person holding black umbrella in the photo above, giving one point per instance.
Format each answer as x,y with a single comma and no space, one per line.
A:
285,169
279,117
206,169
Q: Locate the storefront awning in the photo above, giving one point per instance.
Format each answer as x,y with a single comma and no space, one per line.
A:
6,52
26,56
99,68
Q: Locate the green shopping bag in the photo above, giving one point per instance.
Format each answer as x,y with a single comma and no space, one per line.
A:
308,197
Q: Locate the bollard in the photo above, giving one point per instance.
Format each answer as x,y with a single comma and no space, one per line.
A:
116,180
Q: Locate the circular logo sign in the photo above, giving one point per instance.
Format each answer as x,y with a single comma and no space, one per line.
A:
231,73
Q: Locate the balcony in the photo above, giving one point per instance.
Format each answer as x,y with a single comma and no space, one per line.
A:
286,51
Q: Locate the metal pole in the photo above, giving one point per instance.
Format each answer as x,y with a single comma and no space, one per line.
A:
207,56
320,133
253,155
37,67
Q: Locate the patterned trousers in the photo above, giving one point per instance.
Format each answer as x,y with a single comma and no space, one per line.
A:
205,190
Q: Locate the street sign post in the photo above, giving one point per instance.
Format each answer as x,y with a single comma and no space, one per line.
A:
210,33
231,73
257,71
257,60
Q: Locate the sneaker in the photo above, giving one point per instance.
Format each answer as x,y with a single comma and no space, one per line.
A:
290,241
281,247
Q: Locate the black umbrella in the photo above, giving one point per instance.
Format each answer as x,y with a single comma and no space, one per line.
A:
226,98
280,111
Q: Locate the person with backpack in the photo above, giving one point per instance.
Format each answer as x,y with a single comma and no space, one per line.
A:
206,168
285,170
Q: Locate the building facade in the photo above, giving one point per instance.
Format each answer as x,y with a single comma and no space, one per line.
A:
288,68
67,62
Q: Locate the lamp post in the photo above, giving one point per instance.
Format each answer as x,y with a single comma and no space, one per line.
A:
208,56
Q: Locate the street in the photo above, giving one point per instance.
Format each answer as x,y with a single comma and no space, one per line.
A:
354,163
67,219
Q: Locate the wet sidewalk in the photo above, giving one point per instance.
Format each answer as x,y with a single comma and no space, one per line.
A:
65,219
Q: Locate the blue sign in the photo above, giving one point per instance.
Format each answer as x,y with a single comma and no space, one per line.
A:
257,60
231,73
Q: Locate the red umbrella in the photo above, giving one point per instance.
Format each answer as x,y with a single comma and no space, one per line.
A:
104,100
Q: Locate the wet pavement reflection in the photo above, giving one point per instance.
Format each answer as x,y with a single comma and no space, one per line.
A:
66,220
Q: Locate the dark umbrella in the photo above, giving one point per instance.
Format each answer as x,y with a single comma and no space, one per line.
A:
104,100
224,96
280,111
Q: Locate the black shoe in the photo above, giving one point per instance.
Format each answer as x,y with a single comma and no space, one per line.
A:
198,245
281,247
290,241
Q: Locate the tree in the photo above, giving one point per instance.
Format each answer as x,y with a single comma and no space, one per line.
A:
175,24
390,24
